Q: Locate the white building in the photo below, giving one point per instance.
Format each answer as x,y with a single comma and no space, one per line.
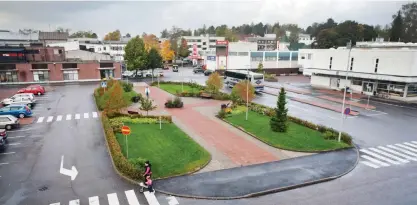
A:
87,55
389,73
203,42
305,38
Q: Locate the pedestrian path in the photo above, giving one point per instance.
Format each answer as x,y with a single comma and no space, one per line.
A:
67,117
385,156
129,197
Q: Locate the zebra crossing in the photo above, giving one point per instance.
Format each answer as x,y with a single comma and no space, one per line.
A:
114,199
385,156
67,117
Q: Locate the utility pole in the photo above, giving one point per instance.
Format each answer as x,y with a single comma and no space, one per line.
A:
349,45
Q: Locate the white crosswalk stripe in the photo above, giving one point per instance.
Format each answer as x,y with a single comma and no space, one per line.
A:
94,114
86,115
50,118
68,117
401,153
59,118
77,116
40,119
113,199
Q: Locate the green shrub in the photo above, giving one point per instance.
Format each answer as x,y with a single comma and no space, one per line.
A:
138,163
239,109
221,114
127,87
329,135
346,138
174,103
221,96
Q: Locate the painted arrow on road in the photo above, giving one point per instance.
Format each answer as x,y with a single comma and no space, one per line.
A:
69,172
172,200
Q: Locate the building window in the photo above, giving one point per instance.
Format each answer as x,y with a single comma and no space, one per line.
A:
104,48
284,56
351,63
60,51
40,76
232,53
71,75
106,65
106,74
69,65
376,65
8,76
309,56
212,46
270,58
412,90
331,61
204,43
212,41
242,53
257,59
204,49
199,46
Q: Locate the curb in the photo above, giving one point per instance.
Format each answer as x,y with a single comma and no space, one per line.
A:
270,191
256,137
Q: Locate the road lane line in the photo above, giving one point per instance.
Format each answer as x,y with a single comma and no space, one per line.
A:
86,115
113,200
77,116
93,200
50,118
5,153
405,147
12,137
389,155
13,144
68,117
375,161
397,153
40,119
402,150
94,114
59,118
131,197
55,203
379,156
74,202
369,164
4,163
411,145
150,197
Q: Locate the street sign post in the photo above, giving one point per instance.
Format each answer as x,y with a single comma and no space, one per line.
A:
104,85
347,111
126,132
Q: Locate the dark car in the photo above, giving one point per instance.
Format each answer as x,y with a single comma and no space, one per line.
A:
208,72
198,69
2,144
175,68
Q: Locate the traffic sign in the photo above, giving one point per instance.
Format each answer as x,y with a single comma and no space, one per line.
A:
125,130
347,111
104,84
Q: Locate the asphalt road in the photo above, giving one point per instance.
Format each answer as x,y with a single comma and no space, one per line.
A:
30,167
386,126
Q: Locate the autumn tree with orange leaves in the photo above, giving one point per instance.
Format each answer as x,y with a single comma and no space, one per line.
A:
116,100
166,51
240,91
151,41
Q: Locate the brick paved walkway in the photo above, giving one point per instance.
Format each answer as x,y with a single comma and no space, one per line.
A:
237,149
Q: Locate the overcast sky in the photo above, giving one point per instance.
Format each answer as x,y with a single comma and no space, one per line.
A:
153,16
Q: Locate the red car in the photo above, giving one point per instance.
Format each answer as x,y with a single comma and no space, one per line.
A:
39,86
36,90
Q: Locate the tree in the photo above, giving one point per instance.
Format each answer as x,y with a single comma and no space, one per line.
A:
278,122
164,33
128,35
136,56
383,32
260,67
240,90
94,35
116,100
151,41
327,38
230,35
183,50
214,83
154,59
166,51
147,105
293,38
83,34
410,21
397,29
60,29
211,30
113,36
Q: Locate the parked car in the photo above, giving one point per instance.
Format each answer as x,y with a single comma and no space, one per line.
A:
38,86
32,89
8,122
161,73
3,134
19,111
165,68
208,72
198,69
127,73
22,98
3,144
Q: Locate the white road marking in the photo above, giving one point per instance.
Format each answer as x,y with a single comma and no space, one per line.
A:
59,118
50,118
86,115
415,142
150,197
8,153
40,119
370,115
375,161
411,145
56,203
93,200
13,144
12,137
4,163
389,155
19,130
131,197
94,114
369,164
74,202
397,153
113,200
402,150
77,116
405,147
68,117
379,156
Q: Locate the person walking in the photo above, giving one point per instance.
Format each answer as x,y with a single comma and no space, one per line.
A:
148,169
147,91
147,184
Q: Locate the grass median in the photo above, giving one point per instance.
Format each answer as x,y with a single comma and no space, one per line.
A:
170,150
297,138
174,88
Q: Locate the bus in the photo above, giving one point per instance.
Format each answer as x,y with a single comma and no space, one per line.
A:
233,77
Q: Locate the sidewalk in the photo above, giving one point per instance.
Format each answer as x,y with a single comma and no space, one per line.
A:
339,93
261,179
298,91
325,106
347,102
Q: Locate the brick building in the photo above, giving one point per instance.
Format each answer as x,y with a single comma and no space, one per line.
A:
20,65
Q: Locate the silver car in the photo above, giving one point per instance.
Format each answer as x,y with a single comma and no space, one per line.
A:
8,122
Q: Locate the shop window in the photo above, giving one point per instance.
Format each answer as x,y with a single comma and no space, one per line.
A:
412,90
106,65
69,65
242,53
39,66
40,76
106,74
71,75
232,53
8,76
270,58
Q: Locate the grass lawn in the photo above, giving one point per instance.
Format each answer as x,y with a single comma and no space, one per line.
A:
173,88
297,138
170,150
128,96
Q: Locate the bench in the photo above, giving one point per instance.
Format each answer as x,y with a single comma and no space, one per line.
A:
132,112
206,95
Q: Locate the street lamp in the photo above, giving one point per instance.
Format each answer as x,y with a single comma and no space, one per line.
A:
349,45
247,91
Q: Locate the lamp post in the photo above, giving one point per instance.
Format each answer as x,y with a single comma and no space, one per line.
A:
247,91
349,45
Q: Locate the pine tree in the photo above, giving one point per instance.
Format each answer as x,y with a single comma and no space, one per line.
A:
278,122
397,29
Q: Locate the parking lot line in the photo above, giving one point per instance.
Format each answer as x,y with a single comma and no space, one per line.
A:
4,163
12,137
13,144
8,153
